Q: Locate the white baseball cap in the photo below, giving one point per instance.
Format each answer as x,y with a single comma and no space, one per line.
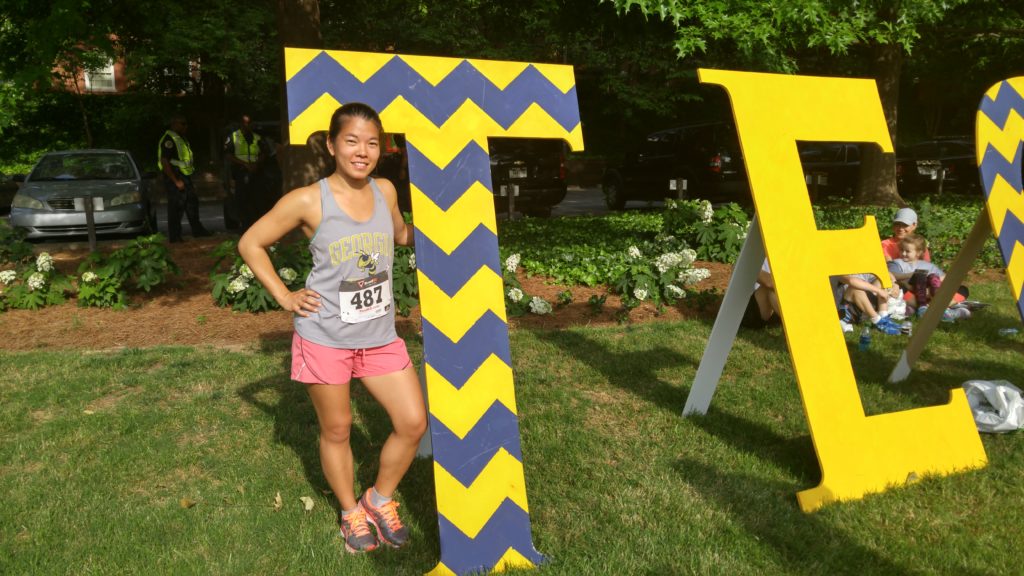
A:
905,216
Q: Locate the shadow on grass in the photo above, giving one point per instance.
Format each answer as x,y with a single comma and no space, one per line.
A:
766,509
295,426
633,371
795,456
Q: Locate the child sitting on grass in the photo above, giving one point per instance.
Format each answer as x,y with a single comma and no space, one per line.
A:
922,278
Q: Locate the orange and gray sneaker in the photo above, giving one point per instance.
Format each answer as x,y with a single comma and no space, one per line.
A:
356,532
385,519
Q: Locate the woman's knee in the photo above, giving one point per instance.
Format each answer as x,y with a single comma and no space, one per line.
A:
337,431
412,425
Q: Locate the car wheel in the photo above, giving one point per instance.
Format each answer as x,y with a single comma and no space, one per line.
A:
614,198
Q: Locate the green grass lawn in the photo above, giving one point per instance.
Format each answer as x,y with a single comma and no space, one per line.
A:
99,450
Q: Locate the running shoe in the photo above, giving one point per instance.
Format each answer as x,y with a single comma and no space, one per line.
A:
887,326
385,519
355,530
954,314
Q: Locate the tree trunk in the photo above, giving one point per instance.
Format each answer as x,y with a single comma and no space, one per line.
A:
298,27
877,170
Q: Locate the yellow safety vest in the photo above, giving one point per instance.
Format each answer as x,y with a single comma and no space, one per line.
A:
244,151
184,161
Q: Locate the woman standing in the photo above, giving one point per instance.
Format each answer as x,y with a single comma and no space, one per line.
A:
345,318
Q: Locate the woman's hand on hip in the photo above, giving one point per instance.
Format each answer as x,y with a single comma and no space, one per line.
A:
301,302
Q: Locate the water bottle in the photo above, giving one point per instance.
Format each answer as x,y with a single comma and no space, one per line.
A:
865,339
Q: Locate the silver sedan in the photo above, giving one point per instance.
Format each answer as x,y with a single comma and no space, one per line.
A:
53,199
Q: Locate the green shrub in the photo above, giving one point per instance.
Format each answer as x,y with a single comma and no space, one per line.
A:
34,285
716,234
144,263
945,221
97,291
13,247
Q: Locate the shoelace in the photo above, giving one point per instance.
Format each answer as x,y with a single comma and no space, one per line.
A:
357,523
390,513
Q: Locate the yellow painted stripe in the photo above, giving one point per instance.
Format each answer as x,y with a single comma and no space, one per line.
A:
449,228
461,408
499,72
313,119
432,68
362,65
441,570
455,316
535,121
558,74
469,508
1002,199
1004,139
512,559
1015,270
295,59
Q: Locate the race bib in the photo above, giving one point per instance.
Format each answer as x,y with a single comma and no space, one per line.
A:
365,299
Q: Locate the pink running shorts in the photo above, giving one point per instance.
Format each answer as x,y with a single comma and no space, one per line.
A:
316,364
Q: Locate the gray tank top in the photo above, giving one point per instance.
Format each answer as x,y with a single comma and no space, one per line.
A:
352,274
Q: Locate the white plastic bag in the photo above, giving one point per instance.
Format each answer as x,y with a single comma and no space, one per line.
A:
997,405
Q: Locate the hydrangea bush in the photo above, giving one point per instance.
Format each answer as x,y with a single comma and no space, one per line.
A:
517,302
716,234
661,273
144,263
35,285
235,286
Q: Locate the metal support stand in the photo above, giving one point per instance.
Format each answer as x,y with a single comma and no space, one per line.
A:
964,259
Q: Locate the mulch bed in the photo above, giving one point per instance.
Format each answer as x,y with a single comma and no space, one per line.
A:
182,312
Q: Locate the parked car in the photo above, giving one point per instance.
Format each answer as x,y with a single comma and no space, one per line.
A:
830,168
532,171
938,165
694,161
52,200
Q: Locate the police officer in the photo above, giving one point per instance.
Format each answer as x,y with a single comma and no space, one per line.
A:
246,151
177,167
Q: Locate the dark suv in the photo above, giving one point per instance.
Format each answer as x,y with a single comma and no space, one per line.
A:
698,160
530,170
934,166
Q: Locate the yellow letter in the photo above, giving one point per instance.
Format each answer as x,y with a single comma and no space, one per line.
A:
858,454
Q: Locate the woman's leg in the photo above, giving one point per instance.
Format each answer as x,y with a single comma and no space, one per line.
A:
400,395
334,412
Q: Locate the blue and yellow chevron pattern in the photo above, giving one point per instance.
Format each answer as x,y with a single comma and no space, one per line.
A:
447,108
1000,142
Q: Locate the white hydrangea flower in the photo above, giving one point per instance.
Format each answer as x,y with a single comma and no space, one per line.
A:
245,272
675,291
288,275
237,285
688,256
695,275
568,257
273,248
634,252
44,262
640,294
667,261
707,212
8,276
89,277
539,305
670,204
512,263
36,281
515,294
412,261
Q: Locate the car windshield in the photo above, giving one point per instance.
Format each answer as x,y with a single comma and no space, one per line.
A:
84,166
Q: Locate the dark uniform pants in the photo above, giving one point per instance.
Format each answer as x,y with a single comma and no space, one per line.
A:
248,196
182,200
